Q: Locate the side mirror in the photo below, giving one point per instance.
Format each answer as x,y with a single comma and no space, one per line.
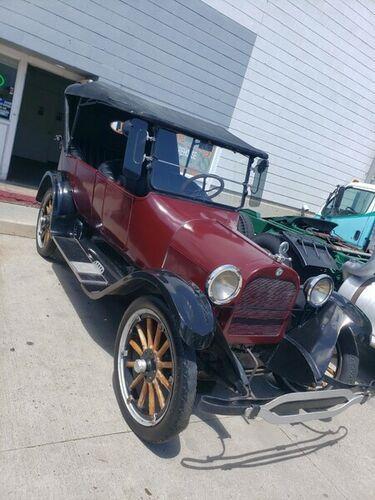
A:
259,181
333,201
118,127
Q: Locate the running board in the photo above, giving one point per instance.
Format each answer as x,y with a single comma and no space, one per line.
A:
96,273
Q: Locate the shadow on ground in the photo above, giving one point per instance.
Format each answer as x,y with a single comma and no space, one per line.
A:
266,456
99,317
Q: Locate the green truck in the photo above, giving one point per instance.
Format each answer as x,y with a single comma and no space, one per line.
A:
312,248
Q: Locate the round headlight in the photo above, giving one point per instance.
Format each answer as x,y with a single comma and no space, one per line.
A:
224,284
318,290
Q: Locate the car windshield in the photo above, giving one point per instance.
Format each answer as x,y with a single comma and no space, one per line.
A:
198,170
353,202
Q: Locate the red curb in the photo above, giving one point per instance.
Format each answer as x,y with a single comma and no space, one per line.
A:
18,198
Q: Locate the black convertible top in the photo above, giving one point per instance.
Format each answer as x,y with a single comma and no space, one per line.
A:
161,115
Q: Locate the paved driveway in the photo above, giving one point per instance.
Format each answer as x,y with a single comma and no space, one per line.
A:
62,434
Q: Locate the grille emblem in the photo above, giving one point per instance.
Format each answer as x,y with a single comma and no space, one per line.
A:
279,271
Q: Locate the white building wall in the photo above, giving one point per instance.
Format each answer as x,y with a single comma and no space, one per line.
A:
292,77
308,95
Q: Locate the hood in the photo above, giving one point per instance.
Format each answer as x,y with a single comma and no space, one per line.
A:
200,246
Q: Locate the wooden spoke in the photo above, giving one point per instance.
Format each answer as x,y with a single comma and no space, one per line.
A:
151,400
150,341
141,337
46,236
129,364
142,395
163,380
49,207
163,349
136,347
331,369
165,364
136,381
159,393
157,337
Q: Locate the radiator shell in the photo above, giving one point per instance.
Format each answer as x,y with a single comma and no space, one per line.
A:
262,312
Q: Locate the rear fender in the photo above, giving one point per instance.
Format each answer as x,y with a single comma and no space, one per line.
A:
190,307
64,210
305,352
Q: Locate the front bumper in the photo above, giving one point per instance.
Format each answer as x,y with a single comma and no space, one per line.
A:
293,407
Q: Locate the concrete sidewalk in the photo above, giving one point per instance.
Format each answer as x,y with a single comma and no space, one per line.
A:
63,436
18,220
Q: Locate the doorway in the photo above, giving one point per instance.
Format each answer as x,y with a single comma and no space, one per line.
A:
41,118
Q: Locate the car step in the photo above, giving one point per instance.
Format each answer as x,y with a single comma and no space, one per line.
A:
92,268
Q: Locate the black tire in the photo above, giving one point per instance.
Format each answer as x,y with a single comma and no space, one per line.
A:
245,226
348,358
268,241
176,416
46,247
271,242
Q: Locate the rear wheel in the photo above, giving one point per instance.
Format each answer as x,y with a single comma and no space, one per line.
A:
44,243
155,373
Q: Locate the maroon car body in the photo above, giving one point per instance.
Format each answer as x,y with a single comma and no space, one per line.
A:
135,212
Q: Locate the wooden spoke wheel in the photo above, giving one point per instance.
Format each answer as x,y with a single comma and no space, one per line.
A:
155,373
147,362
44,243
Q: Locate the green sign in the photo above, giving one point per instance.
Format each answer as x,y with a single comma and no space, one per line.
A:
2,80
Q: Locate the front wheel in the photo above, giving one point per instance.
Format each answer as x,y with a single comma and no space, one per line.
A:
155,373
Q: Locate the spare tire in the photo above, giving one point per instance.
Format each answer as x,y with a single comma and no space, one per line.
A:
245,226
271,242
268,241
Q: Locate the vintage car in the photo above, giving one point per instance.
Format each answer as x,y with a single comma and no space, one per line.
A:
134,211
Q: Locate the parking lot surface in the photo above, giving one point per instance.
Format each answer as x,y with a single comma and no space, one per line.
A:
63,436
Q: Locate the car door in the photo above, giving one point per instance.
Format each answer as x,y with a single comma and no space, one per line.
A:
111,210
83,189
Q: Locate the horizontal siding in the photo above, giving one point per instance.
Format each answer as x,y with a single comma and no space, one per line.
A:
308,95
183,53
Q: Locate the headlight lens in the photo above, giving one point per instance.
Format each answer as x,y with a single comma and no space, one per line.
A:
318,290
224,284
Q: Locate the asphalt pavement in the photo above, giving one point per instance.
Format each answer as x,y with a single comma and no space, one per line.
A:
62,434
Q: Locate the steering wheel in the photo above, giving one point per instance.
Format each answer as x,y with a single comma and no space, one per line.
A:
216,190
351,210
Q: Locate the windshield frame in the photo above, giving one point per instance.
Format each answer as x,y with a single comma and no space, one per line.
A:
242,194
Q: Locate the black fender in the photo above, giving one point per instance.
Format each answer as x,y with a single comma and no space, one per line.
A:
64,209
63,203
306,350
191,309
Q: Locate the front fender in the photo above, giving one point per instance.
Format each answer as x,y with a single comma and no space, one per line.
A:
305,352
190,307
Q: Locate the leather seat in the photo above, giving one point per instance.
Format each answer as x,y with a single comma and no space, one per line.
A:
111,169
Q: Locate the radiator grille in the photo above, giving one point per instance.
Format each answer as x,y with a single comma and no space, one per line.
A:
263,307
